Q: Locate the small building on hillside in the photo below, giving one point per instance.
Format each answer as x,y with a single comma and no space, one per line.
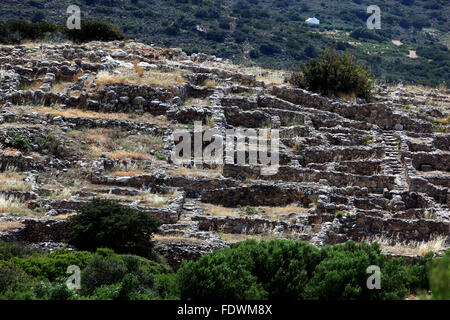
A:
312,20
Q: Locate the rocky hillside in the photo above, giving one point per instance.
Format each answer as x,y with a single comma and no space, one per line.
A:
273,34
78,121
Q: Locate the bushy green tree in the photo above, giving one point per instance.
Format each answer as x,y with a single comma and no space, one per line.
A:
334,75
16,31
440,278
106,223
95,30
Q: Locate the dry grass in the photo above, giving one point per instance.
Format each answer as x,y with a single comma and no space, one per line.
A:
12,181
347,97
13,205
444,121
219,211
34,86
210,84
125,76
130,173
10,225
146,198
120,154
9,152
152,199
95,115
269,77
118,145
272,213
77,76
272,77
275,212
239,237
435,173
197,172
128,169
164,238
391,245
196,102
63,194
138,69
60,87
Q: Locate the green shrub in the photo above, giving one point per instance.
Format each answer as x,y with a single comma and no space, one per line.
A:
12,277
107,292
53,291
113,276
283,267
106,223
247,210
19,142
342,272
440,278
213,277
129,287
9,250
339,214
52,144
365,33
15,31
52,265
335,75
167,286
285,270
95,30
105,268
275,269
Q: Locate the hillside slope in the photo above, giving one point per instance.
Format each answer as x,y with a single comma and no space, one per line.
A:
100,119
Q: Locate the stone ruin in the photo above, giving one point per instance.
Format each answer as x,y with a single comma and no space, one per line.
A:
347,171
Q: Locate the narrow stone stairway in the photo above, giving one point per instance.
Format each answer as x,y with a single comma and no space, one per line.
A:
392,162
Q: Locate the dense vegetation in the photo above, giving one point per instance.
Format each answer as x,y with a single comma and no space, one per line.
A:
94,30
273,33
26,274
296,270
16,31
276,269
335,75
